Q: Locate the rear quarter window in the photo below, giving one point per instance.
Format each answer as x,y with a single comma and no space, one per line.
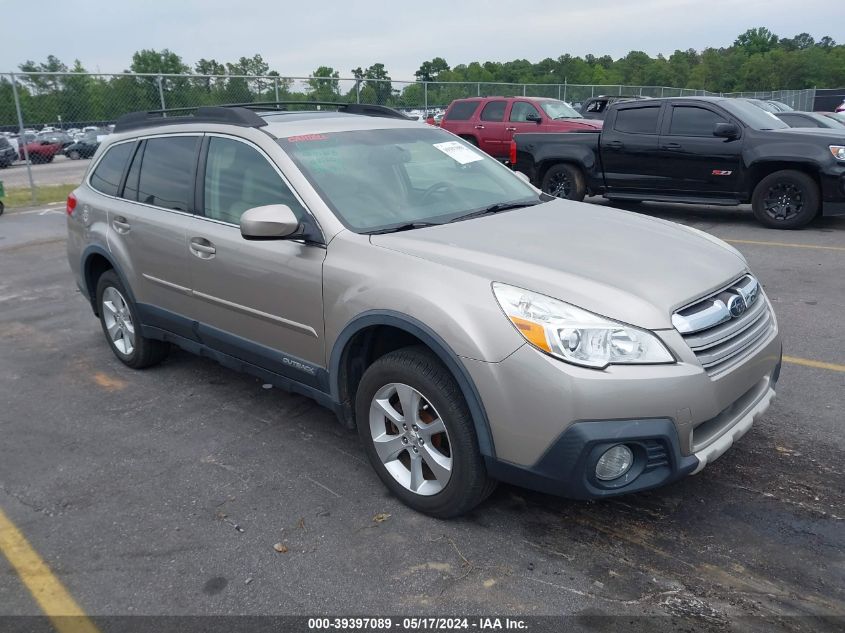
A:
109,171
461,111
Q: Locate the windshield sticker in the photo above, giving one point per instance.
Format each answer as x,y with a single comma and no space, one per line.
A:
307,137
458,152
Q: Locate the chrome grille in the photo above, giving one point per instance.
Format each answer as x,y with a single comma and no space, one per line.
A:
726,326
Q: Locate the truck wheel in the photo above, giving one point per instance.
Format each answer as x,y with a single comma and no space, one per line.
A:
564,181
418,434
74,155
786,199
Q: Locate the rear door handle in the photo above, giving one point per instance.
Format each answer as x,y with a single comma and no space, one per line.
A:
120,225
672,147
479,127
615,145
202,248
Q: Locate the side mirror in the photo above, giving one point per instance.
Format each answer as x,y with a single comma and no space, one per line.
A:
726,130
533,117
270,222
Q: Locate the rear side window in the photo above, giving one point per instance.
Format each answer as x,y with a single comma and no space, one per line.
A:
637,120
494,111
693,121
462,111
109,171
167,167
237,178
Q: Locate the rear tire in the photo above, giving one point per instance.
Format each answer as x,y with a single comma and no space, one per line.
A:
564,181
452,478
121,325
786,199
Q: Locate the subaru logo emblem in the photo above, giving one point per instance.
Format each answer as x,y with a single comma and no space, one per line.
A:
736,306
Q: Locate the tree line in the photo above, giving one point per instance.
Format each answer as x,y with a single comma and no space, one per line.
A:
758,60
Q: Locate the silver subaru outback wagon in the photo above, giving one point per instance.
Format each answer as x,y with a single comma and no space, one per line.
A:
471,328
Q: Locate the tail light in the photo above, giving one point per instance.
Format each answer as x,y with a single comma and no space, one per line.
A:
71,204
512,153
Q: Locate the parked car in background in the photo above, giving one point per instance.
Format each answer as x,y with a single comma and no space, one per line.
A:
780,106
39,151
55,137
836,116
841,107
769,106
86,147
704,150
8,155
810,119
595,107
490,122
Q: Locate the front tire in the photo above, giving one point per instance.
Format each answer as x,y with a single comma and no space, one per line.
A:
74,155
121,325
418,434
786,199
564,181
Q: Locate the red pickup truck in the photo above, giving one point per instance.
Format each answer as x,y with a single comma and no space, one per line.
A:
40,151
491,122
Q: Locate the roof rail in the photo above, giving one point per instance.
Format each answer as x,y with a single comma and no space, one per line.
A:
364,109
202,114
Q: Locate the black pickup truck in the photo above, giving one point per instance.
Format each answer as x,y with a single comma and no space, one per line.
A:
694,149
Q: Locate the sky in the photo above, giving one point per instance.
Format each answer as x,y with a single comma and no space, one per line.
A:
297,37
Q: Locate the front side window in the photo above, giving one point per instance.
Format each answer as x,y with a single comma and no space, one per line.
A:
237,178
109,171
377,179
520,111
641,120
166,177
693,121
494,111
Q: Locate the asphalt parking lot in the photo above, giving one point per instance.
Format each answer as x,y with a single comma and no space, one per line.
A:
164,491
62,171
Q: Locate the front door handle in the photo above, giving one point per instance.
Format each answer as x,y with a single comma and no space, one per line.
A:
672,147
511,129
202,248
120,225
479,127
615,145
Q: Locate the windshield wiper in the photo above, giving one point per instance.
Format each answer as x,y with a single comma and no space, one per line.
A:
496,208
410,226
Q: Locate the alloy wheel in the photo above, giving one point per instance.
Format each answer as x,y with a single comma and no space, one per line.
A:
410,439
118,320
783,201
560,185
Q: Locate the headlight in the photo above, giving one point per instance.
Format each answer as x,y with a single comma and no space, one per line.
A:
575,335
838,151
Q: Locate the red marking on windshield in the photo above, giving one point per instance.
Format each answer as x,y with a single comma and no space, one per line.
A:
307,137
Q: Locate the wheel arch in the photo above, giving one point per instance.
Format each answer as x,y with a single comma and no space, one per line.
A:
377,332
760,169
95,261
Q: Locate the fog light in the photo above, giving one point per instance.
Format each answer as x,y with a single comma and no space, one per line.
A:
614,463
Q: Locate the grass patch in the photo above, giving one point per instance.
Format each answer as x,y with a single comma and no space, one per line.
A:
22,196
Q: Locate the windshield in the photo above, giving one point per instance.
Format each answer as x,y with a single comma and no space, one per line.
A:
379,179
559,110
752,116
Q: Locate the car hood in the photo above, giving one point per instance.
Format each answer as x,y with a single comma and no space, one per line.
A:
619,264
814,133
586,124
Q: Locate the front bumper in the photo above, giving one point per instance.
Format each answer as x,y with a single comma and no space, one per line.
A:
551,421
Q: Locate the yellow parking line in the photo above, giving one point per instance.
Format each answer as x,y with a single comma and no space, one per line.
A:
788,245
48,591
813,363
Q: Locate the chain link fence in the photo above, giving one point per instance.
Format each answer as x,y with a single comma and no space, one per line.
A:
42,115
